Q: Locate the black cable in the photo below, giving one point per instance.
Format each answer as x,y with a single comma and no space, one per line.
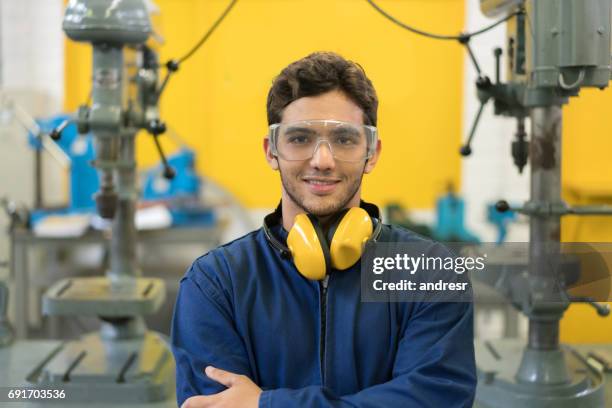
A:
172,65
462,37
208,33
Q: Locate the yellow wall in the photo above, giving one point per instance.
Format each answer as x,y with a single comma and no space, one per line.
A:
587,179
217,103
217,99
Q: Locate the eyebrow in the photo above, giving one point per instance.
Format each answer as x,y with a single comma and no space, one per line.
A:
345,131
300,129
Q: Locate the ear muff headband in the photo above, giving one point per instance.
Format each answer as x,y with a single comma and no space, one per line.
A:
270,220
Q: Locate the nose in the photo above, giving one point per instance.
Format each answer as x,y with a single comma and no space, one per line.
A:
322,157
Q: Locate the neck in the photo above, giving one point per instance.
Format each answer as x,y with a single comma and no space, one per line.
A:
291,209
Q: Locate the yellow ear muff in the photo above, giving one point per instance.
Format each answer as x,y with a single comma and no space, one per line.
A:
352,232
307,248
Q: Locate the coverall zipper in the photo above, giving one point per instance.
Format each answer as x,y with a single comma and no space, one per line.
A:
323,320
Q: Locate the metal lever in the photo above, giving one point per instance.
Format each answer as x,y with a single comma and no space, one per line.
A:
157,127
483,86
172,66
56,133
531,208
485,90
497,52
602,310
466,149
502,206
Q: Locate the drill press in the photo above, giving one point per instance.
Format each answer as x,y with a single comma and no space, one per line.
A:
123,362
555,48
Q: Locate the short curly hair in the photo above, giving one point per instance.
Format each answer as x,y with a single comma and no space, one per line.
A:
318,73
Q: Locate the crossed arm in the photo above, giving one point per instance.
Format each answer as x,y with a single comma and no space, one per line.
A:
434,364
241,392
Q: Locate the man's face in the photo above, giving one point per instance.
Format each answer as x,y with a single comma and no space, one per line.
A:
322,185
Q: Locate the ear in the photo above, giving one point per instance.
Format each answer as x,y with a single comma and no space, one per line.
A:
271,159
372,160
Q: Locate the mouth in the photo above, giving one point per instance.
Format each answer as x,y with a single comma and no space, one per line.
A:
321,185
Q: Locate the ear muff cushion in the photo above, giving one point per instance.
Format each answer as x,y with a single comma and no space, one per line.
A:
352,232
308,248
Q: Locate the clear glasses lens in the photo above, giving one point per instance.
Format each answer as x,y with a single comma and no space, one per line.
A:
299,140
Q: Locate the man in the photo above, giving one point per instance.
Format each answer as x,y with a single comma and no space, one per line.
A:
249,330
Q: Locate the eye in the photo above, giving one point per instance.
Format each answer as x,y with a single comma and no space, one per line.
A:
345,140
298,139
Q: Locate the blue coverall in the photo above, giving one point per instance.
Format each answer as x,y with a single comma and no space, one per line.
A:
245,309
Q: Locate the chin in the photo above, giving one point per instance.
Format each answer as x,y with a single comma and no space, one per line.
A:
323,205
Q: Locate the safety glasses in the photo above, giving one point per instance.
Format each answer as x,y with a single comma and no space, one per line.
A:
346,141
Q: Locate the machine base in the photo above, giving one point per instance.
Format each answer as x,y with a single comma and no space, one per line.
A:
498,387
100,297
93,369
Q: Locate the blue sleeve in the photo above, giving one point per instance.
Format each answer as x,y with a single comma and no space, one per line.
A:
203,333
434,367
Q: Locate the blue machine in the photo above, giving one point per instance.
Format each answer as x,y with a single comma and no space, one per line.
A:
83,177
180,195
500,220
186,184
450,226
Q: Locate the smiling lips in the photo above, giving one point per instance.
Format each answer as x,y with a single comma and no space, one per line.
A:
321,185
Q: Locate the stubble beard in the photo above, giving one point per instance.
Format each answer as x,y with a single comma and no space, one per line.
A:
327,210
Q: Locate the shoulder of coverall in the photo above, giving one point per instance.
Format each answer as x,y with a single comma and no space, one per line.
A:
211,271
